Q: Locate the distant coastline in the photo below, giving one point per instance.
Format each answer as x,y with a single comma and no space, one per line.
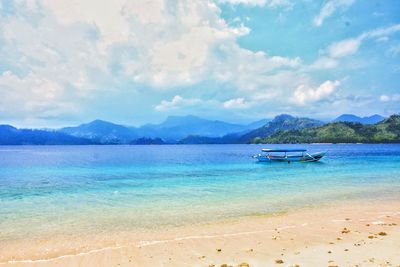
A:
283,129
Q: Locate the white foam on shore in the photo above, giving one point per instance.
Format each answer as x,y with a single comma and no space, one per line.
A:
62,256
153,242
146,243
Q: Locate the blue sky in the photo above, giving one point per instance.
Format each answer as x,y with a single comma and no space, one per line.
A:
133,62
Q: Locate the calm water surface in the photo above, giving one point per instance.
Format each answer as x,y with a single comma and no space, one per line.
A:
47,190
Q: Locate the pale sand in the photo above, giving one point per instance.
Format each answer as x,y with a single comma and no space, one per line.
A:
307,237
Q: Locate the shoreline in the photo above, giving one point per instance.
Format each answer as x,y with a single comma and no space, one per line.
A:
196,144
239,240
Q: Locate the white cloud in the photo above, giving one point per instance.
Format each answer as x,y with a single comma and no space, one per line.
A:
323,63
236,103
344,48
384,31
350,46
250,71
74,51
384,98
331,56
86,47
305,94
177,102
329,8
166,45
32,95
390,98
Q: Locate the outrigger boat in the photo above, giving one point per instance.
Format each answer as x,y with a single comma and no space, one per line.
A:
288,155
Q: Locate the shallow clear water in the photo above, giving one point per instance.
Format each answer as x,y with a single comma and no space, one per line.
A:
47,190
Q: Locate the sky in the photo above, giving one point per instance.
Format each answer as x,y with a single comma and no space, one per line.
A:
139,61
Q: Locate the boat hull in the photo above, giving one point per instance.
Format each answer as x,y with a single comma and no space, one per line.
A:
303,158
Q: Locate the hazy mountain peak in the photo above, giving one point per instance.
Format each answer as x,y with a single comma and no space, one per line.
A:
364,120
103,131
283,117
6,127
175,120
283,122
99,122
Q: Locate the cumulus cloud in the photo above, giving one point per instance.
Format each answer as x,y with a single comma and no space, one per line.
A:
236,103
180,103
329,8
177,102
32,95
151,43
155,43
62,57
305,94
251,71
86,47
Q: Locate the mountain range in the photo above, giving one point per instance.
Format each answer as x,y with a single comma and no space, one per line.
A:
102,132
173,129
386,131
364,120
12,136
178,127
194,130
282,122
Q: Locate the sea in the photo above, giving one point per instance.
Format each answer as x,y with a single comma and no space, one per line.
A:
67,190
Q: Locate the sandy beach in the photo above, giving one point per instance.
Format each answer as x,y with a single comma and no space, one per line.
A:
346,234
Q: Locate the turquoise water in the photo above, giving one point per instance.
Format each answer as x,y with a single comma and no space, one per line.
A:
46,190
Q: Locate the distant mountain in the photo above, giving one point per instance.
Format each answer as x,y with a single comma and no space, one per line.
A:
201,140
386,131
364,120
179,127
148,141
282,122
194,130
172,129
10,135
256,124
102,131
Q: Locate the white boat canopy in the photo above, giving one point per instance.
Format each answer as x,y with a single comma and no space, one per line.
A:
284,150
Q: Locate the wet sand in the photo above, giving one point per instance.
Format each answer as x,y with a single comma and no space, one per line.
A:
345,234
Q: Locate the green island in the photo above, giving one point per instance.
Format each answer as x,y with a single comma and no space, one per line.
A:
386,131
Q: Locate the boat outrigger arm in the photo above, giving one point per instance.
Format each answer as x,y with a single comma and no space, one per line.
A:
267,155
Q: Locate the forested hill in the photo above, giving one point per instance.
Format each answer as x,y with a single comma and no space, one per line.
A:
283,122
386,131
